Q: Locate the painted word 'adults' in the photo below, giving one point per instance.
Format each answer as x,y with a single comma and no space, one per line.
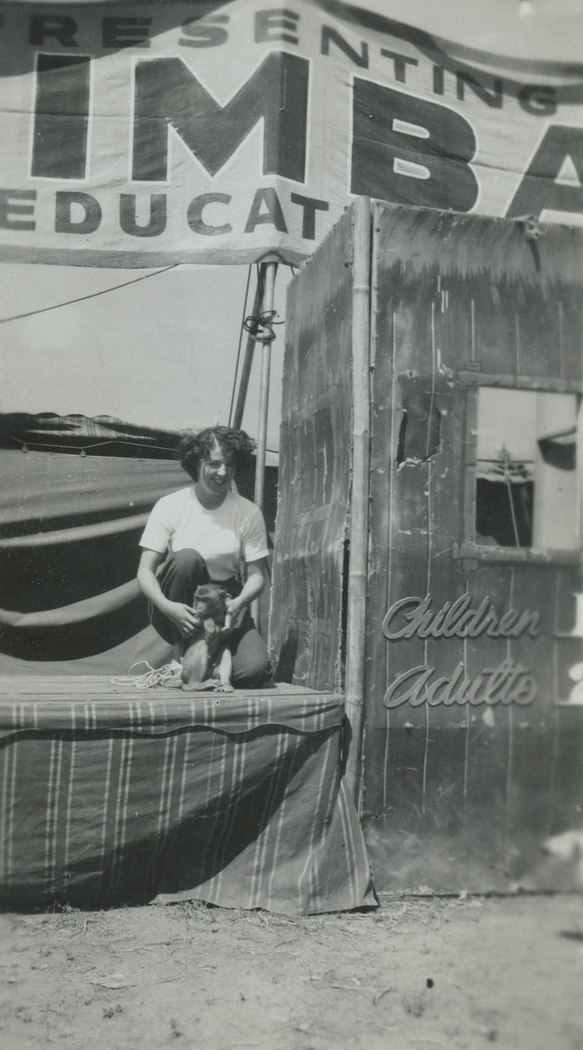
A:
414,617
508,683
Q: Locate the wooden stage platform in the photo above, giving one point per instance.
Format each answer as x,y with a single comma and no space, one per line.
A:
92,702
94,688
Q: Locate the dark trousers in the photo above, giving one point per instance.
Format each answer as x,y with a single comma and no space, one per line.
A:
179,576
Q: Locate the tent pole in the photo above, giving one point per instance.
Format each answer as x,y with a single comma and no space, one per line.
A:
358,567
246,367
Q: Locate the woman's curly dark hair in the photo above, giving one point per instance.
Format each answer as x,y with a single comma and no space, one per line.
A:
235,444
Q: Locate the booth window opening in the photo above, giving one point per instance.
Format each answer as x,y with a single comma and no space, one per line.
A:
526,479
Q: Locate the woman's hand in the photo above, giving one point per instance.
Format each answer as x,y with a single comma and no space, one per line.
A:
235,610
182,616
252,588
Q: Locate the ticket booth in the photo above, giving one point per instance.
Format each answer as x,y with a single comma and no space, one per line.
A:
472,662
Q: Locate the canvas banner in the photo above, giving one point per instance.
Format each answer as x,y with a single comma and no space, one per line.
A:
146,134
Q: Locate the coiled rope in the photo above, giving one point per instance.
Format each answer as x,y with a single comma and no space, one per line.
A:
168,675
261,327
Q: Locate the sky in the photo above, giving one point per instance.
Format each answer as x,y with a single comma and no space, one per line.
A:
515,419
544,29
160,351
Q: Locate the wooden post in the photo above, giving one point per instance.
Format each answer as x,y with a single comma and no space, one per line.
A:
358,567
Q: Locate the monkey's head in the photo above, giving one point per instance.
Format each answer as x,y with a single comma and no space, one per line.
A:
210,602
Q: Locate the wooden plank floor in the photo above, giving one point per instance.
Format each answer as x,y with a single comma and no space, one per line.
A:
104,687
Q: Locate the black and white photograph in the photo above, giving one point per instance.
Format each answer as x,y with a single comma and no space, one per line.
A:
291,524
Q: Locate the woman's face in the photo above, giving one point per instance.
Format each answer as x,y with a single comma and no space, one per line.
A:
216,472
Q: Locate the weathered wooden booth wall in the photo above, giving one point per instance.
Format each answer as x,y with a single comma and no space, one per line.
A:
473,708
307,604
466,780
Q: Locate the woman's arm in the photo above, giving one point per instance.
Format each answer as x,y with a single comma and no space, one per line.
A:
181,615
252,587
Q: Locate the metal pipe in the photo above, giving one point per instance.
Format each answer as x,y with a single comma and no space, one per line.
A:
246,367
359,505
269,270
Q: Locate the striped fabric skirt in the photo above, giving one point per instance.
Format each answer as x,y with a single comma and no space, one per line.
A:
113,795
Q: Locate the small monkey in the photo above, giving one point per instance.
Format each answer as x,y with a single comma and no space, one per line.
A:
206,660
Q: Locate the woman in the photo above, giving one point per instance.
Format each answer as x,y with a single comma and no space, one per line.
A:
208,532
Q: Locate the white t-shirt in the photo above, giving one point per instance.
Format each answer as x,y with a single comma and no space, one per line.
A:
227,536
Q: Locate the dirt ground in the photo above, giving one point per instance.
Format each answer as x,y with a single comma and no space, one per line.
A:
418,973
